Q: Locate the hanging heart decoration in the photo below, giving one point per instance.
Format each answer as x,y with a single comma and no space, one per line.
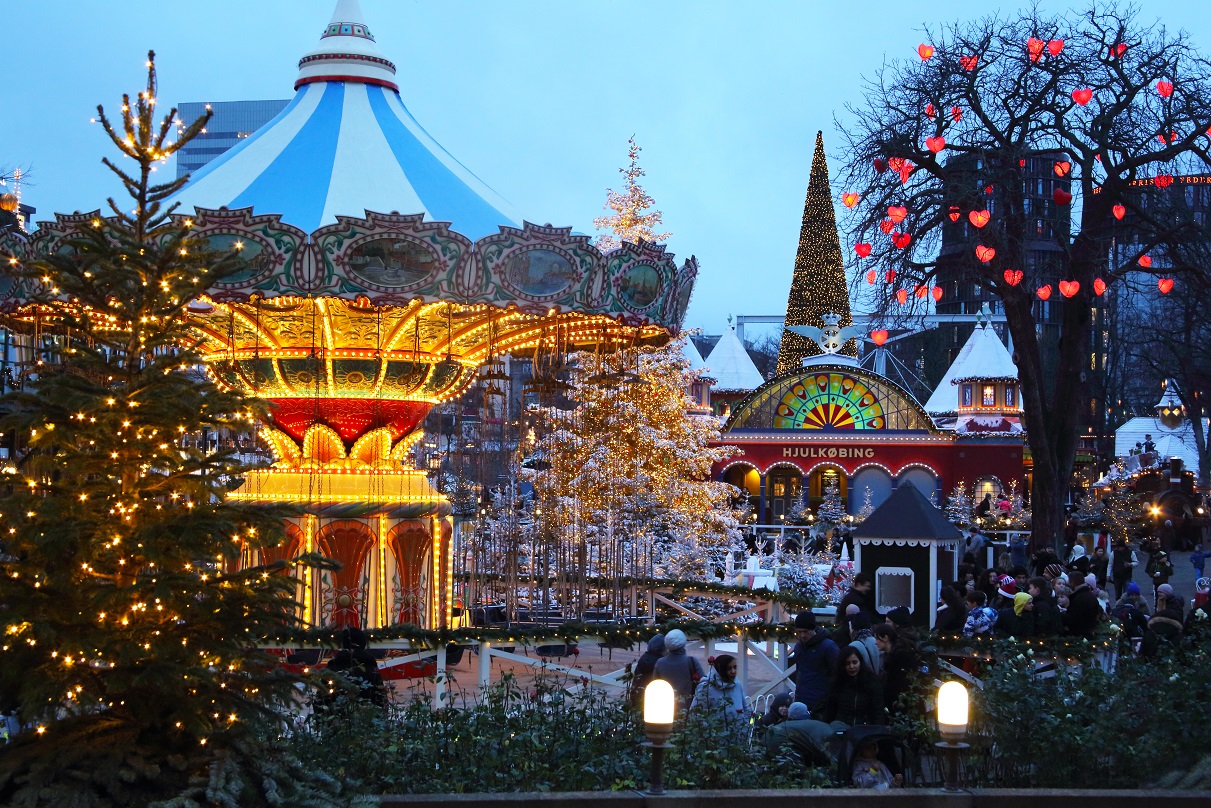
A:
890,277
988,189
1069,288
1044,292
936,292
954,213
1062,167
930,111
956,113
985,254
880,164
1054,46
901,240
1061,196
1117,51
905,170
902,296
1162,180
862,249
1145,261
921,291
1165,285
897,213
969,62
895,163
879,336
870,276
1119,212
935,144
979,218
1013,276
1083,96
887,225
849,199
925,52
1099,286
1034,47
1165,88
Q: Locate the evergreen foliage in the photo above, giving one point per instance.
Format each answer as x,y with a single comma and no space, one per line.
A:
958,504
831,511
633,219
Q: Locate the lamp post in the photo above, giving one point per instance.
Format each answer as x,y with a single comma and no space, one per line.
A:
658,707
952,725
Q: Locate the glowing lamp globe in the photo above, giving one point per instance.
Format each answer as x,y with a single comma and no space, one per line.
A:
659,703
952,712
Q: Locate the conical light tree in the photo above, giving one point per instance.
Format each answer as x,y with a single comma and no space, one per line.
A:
633,218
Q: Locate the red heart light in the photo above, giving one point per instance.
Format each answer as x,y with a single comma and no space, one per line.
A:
1035,48
969,62
1082,97
870,276
985,254
887,225
1044,292
895,163
849,199
1119,212
930,111
905,170
902,296
878,336
1116,51
890,277
1162,180
1145,261
1061,196
1165,88
1069,288
936,292
880,164
956,113
1099,286
921,291
979,217
1055,46
1062,167
862,250
897,213
935,144
901,240
925,51
954,213
1165,285
988,189
1013,276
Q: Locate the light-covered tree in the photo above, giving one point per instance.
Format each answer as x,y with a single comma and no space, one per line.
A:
633,218
958,504
868,506
832,510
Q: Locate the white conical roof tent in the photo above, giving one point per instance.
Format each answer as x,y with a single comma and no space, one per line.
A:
730,365
982,357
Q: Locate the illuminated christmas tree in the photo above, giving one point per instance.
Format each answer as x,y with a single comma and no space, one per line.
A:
868,506
130,648
831,511
819,284
958,505
800,510
632,219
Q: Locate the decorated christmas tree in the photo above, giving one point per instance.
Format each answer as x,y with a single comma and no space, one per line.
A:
958,504
868,507
633,218
132,630
818,286
799,510
831,511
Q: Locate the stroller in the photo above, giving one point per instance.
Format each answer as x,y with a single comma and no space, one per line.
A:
893,752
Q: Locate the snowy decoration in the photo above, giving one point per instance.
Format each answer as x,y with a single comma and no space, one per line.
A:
831,511
958,505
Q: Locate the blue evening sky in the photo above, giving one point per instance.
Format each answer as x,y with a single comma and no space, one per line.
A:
537,98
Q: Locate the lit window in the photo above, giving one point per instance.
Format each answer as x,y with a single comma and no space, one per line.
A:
989,396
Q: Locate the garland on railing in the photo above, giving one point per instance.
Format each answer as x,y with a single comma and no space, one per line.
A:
989,647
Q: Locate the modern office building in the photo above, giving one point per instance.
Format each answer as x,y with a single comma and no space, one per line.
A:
231,123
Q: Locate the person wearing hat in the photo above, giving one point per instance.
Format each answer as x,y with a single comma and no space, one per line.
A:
814,657
1159,568
1132,611
678,668
645,668
1122,566
799,732
1017,620
1084,610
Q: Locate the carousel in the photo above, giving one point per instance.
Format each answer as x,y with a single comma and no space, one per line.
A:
382,278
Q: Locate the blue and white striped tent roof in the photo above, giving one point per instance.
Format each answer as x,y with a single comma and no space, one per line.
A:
344,145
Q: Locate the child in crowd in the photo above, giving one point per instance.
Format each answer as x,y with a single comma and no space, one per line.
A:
870,772
1199,559
980,618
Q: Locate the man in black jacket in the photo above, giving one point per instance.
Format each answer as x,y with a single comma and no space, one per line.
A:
815,659
1084,611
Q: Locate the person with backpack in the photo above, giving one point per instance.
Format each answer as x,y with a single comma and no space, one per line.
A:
678,668
981,618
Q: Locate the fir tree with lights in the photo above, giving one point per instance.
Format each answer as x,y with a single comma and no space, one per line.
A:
868,506
799,510
632,219
831,511
958,504
819,286
130,627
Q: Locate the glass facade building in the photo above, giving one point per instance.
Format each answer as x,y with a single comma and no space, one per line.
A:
232,122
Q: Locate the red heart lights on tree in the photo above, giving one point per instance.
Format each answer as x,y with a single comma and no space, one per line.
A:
849,199
936,292
1165,285
901,240
985,254
979,218
870,276
890,276
878,336
954,213
897,213
1013,276
1061,168
1165,88
1099,286
935,144
905,170
1061,196
895,163
887,225
1034,47
1117,51
925,52
1044,292
1054,46
1069,288
902,296
969,62
1145,261
921,291
1083,96
956,113
1162,180
930,111
862,249
880,164
1119,212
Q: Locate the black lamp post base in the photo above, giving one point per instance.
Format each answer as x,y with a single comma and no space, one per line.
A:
952,751
656,774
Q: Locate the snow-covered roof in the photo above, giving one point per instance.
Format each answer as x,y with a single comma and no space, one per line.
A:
983,356
690,352
1170,397
730,365
1177,442
346,144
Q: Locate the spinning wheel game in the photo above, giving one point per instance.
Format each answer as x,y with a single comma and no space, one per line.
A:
829,401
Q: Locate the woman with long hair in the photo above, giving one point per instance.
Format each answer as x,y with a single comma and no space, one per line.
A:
855,695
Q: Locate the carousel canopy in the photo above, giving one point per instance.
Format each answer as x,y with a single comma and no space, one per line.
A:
347,144
982,358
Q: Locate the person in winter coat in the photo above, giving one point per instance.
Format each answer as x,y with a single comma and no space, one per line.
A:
1084,611
981,618
1019,544
1099,566
645,667
678,668
815,659
900,663
803,735
863,638
855,695
859,595
1122,565
1048,622
1159,568
721,692
1078,560
1017,620
952,613
777,711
